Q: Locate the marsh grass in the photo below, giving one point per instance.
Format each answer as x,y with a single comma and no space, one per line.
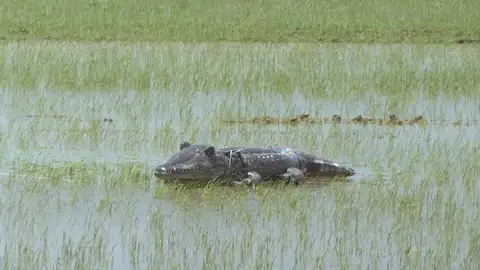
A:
421,214
372,223
437,21
335,72
78,191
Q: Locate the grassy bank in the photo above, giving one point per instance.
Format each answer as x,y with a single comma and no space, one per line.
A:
366,21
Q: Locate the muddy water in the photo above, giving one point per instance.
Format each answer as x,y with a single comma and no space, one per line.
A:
61,128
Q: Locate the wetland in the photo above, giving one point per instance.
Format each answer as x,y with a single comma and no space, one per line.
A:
83,126
95,94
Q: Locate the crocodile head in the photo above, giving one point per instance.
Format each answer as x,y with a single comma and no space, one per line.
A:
195,162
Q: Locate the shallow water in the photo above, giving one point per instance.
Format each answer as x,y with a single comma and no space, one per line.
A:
130,225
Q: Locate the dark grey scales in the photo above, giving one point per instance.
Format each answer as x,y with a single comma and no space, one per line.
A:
247,165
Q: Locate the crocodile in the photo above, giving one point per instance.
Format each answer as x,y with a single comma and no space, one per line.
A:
246,165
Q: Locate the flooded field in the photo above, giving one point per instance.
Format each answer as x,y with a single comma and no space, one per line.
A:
82,127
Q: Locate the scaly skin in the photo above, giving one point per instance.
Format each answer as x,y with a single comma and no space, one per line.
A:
249,165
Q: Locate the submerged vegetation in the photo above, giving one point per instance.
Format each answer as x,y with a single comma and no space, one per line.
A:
317,71
84,122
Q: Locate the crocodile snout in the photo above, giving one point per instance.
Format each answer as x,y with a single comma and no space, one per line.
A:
159,171
349,171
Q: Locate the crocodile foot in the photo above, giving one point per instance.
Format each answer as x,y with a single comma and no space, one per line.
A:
294,175
252,179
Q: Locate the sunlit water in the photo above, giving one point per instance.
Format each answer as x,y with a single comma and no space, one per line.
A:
34,127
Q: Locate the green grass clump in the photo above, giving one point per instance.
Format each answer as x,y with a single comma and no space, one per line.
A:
438,21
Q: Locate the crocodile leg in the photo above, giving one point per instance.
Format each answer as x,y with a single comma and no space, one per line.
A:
252,179
294,175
